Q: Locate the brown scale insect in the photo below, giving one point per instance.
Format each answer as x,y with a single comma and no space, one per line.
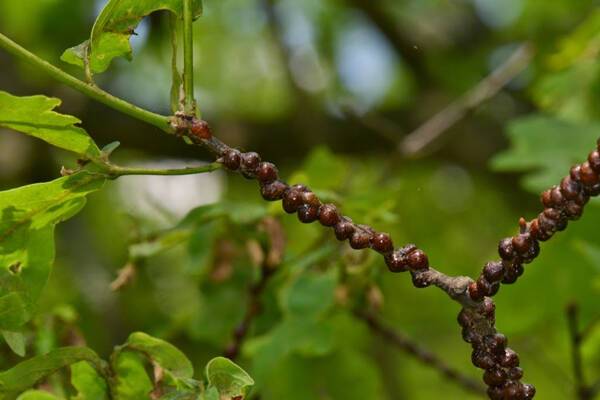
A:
200,128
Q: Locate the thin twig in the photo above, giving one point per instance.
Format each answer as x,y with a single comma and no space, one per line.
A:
432,129
580,387
124,276
117,171
406,344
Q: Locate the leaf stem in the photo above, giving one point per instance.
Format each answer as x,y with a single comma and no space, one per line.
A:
176,95
188,58
94,92
116,171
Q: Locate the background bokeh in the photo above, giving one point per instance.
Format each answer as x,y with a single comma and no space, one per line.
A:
328,90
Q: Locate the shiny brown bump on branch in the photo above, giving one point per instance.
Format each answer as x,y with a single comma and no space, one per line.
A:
200,129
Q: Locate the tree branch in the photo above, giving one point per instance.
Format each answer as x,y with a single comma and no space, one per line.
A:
417,141
431,130
563,203
94,92
406,344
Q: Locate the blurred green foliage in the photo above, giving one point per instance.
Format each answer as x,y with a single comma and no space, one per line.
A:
299,87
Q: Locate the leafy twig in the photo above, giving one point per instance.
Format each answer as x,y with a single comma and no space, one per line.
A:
93,92
406,344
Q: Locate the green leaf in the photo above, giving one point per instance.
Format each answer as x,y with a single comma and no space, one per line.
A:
304,300
189,389
155,246
182,395
322,159
239,213
113,28
201,247
293,335
16,341
590,251
33,115
310,294
29,214
169,357
132,381
109,148
573,47
546,148
37,395
198,228
210,394
27,373
89,384
225,301
229,379
568,86
344,375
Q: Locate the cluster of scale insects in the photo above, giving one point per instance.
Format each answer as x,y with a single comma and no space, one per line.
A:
301,200
562,203
490,352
